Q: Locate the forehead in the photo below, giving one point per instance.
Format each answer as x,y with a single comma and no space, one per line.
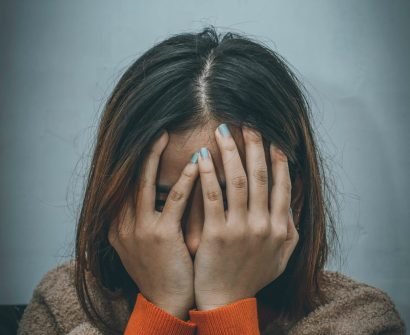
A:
181,147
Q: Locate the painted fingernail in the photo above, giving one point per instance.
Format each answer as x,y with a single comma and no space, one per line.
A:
223,130
194,158
204,152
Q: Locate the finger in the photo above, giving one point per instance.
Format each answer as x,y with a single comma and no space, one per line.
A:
236,179
211,191
257,171
176,201
147,185
281,192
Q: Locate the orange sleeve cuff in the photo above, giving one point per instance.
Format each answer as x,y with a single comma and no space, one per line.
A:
239,317
149,319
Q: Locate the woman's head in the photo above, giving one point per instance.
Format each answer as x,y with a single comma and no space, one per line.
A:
188,85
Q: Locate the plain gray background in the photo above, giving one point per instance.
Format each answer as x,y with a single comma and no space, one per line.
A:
60,60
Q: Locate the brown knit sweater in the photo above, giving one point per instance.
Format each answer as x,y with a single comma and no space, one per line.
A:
354,308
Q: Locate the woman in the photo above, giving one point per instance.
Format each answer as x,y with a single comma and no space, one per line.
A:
207,208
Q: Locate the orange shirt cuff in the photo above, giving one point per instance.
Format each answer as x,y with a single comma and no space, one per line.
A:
149,319
239,317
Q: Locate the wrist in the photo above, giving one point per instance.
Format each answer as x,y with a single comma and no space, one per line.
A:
181,313
208,307
176,306
208,304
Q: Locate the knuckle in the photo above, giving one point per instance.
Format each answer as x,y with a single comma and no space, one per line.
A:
140,234
230,236
145,183
239,182
213,195
230,146
159,237
239,234
188,174
156,235
280,234
262,230
220,241
285,184
216,236
206,170
253,136
261,175
175,195
280,156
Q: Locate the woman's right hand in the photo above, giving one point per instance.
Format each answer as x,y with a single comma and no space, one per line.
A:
151,245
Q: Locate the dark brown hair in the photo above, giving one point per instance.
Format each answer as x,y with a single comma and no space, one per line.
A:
179,84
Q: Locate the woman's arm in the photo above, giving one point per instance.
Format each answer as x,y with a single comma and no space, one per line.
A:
149,319
239,317
236,318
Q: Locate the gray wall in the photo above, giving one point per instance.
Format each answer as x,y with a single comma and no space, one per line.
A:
60,60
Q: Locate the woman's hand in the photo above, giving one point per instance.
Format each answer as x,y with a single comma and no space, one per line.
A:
246,248
151,244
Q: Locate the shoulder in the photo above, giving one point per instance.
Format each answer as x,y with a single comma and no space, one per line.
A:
337,286
56,293
55,299
353,307
61,277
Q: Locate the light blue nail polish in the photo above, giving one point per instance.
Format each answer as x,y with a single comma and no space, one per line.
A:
204,153
223,130
194,158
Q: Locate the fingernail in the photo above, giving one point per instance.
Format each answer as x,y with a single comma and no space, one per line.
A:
204,152
223,130
194,158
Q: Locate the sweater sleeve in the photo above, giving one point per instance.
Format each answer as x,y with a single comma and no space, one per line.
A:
239,317
149,319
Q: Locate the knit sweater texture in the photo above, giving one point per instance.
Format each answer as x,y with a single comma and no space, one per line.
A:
353,308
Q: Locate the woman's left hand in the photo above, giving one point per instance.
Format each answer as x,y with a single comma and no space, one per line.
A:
247,247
